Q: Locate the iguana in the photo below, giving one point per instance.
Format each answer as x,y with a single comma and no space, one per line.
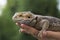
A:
39,22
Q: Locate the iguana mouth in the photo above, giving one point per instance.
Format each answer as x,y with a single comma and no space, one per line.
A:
27,22
31,23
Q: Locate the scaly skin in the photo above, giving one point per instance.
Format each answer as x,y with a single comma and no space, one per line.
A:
39,22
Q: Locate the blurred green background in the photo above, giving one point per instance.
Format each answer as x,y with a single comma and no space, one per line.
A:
8,29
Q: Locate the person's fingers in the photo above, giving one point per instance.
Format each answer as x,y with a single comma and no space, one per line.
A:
25,26
24,31
29,29
16,23
22,25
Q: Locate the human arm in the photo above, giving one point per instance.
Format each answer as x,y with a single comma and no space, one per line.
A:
32,31
53,34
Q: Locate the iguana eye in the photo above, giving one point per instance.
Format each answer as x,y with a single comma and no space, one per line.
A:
28,16
20,15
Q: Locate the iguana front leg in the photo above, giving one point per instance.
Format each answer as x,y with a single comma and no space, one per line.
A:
44,25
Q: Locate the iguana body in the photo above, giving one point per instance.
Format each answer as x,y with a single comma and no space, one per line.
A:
54,23
38,21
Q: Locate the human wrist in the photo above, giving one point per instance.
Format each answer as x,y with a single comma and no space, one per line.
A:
35,32
45,33
48,33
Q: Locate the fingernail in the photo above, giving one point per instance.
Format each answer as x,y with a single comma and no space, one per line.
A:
16,23
22,24
21,30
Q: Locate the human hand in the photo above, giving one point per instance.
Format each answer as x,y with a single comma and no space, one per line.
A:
29,30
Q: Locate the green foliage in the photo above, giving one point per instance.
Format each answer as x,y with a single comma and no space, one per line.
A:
43,7
8,29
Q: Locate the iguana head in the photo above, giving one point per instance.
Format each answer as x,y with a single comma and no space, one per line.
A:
22,16
27,18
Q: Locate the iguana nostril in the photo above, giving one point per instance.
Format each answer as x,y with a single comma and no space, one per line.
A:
15,16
